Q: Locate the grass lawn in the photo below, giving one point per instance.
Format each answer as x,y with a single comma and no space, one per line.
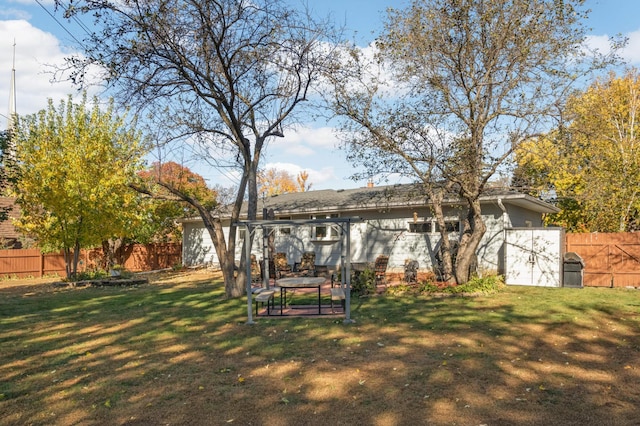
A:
176,352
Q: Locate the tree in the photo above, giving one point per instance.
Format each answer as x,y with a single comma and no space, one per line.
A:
592,163
273,182
227,74
74,164
164,208
7,170
303,181
469,80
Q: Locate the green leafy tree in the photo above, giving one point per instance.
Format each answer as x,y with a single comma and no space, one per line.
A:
74,165
592,163
455,86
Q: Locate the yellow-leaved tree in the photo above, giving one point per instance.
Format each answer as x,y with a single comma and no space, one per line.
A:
273,181
592,164
74,165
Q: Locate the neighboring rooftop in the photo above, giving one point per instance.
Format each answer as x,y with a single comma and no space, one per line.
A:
9,235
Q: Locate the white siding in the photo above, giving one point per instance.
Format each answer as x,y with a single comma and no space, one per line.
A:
384,232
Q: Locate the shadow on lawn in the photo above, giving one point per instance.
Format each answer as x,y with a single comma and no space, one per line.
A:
182,354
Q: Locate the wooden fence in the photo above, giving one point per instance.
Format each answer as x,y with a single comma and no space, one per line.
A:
611,260
34,263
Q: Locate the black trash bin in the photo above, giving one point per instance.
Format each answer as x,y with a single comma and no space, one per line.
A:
573,270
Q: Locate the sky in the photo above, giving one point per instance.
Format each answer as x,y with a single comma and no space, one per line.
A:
42,37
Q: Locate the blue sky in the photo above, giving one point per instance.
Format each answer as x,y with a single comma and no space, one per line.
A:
40,40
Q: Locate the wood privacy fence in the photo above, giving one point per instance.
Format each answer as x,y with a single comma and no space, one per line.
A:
611,260
34,263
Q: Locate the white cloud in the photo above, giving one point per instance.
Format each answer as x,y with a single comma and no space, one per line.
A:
599,43
630,53
319,137
36,54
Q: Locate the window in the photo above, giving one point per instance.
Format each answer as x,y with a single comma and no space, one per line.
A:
451,226
325,231
284,230
241,233
421,227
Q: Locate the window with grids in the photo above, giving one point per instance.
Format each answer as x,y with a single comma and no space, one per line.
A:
325,231
285,230
421,227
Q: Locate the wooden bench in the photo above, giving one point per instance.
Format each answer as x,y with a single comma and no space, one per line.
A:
337,294
263,297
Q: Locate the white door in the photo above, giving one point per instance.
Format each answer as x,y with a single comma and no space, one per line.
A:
533,256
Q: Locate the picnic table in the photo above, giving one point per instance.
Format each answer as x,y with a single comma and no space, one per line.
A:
299,282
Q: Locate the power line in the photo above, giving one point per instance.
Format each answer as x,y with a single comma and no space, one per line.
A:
59,23
227,175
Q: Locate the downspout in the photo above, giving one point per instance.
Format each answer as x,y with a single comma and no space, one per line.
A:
505,224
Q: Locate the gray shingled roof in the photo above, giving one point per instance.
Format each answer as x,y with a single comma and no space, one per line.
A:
377,198
392,196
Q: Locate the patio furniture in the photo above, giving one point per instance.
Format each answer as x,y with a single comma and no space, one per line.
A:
411,271
308,264
282,266
380,268
256,275
337,293
263,297
272,269
299,282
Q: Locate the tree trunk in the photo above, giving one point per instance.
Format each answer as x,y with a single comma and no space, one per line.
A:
474,229
252,208
67,261
76,257
446,256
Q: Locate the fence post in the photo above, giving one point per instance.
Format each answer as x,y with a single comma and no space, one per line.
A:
41,264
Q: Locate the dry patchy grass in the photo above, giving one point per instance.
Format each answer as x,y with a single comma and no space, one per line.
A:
177,352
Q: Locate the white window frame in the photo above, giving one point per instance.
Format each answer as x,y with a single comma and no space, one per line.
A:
286,230
414,229
331,232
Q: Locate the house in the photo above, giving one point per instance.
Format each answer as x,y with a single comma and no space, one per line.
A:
10,237
396,221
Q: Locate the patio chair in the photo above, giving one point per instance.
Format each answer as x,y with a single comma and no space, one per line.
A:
256,275
411,271
380,268
282,266
337,293
308,264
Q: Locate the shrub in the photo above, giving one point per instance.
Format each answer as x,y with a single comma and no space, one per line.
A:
87,275
363,283
477,285
484,285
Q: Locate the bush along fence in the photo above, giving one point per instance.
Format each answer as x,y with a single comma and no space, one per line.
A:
34,263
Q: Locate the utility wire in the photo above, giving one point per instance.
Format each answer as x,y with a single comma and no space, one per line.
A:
59,23
227,175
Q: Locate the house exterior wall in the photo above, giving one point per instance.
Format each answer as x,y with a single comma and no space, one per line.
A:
197,247
380,232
